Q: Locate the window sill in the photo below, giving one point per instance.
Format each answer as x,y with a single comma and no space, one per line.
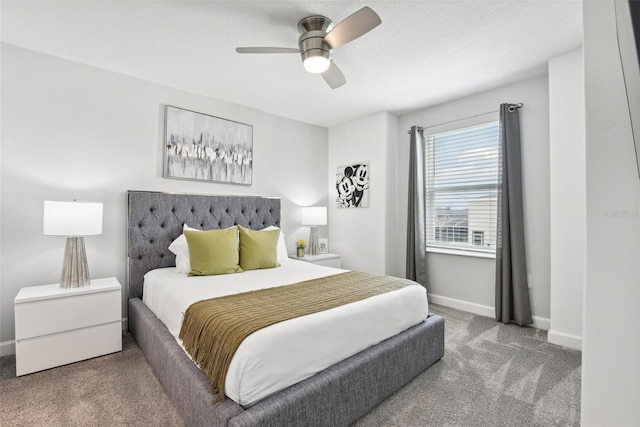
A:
460,252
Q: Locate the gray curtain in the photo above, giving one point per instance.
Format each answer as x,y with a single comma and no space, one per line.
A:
416,243
512,292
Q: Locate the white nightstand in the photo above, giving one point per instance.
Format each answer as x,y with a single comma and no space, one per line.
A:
56,326
328,260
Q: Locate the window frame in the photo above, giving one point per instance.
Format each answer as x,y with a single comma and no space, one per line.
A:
477,120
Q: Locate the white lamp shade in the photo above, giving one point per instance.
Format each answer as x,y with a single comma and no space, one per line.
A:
314,215
72,218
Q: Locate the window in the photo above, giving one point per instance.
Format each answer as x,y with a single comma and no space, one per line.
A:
461,180
478,238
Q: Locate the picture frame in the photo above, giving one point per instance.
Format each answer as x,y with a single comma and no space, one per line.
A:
352,186
323,245
201,147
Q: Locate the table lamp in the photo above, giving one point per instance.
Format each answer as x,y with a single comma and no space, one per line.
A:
314,216
74,220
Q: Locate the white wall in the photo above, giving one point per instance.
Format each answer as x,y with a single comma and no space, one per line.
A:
611,322
73,131
390,208
467,282
567,198
360,235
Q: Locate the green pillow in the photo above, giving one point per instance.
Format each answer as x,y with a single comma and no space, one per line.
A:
258,248
213,251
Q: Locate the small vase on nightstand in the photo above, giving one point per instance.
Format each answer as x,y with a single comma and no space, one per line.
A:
300,252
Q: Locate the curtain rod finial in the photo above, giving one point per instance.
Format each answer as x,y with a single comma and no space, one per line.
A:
513,107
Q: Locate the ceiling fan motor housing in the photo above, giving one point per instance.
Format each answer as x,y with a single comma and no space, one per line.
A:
313,30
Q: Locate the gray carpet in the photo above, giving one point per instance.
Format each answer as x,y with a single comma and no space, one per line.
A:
118,389
491,375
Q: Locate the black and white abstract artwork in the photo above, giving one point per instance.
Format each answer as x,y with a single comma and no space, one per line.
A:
352,184
207,148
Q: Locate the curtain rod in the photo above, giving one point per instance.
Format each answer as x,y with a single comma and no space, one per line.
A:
511,108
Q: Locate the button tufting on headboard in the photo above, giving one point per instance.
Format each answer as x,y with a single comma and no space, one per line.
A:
149,236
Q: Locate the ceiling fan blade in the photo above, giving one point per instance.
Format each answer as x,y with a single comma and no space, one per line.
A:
334,77
267,50
352,27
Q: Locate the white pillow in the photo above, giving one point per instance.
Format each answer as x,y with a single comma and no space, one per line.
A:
281,248
180,248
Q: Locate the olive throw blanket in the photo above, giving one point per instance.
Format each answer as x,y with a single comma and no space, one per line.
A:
213,329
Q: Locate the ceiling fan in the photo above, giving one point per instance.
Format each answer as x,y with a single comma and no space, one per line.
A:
318,39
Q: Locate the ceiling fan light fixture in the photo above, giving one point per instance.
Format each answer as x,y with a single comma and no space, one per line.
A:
318,38
316,64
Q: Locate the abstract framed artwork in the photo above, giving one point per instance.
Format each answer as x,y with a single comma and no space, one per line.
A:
207,148
352,185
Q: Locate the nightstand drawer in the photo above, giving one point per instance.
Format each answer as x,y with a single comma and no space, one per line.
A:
67,347
334,262
36,318
327,260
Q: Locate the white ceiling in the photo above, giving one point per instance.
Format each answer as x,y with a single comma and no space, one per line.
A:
424,52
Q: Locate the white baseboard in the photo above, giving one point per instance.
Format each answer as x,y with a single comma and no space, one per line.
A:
471,307
482,310
564,339
541,322
7,348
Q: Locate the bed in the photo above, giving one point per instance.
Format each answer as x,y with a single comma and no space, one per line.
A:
336,396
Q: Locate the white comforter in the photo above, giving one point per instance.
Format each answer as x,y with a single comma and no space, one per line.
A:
286,353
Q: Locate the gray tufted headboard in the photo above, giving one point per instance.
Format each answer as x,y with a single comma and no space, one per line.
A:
156,219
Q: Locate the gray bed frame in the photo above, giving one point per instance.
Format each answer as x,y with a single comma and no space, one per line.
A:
337,396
